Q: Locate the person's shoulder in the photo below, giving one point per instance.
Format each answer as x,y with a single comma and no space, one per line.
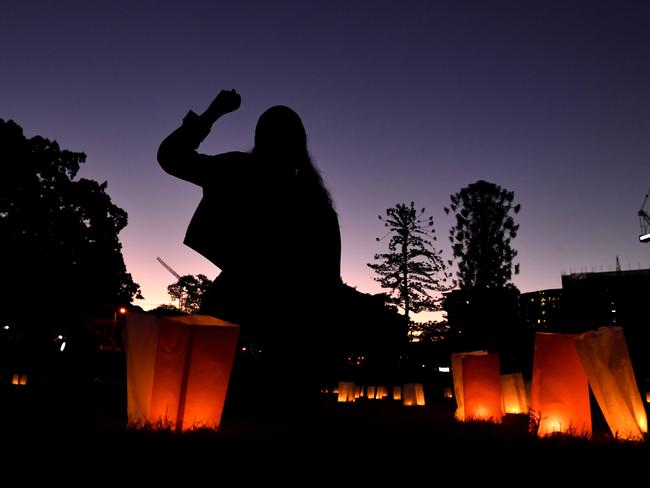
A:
235,156
231,162
227,168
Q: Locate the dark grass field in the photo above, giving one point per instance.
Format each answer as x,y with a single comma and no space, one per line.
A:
84,431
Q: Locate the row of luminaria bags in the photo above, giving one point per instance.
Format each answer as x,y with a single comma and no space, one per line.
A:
178,369
564,367
411,394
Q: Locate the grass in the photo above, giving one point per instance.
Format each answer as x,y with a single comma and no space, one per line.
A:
369,437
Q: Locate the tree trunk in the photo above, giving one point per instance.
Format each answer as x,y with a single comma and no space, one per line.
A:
405,292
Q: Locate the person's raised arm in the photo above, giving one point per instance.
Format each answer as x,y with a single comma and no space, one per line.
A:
177,153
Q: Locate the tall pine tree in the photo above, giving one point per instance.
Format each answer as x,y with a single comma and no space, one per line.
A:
482,236
412,268
484,312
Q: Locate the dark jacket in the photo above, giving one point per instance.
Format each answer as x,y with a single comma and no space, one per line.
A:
251,220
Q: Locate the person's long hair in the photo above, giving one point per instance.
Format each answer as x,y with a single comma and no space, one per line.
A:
281,140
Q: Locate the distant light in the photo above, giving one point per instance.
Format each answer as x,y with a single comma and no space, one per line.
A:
613,311
6,327
424,365
644,238
243,348
62,346
60,337
122,310
443,369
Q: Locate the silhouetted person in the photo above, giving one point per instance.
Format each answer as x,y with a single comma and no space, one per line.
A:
267,221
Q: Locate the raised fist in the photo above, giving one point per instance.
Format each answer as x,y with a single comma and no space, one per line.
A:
226,101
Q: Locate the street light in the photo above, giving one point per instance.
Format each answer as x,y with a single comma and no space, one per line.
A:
115,333
121,311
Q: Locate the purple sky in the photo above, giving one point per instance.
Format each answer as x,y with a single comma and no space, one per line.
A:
402,100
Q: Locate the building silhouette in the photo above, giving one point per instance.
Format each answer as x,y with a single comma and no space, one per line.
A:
586,301
542,310
613,297
591,300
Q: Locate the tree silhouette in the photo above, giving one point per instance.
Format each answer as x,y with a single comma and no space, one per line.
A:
167,309
484,312
60,252
189,290
482,236
413,268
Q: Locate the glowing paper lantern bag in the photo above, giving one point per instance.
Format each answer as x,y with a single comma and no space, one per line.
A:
347,392
178,369
513,388
606,360
413,395
559,390
482,387
457,374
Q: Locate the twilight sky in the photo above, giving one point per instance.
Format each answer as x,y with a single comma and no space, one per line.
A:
402,100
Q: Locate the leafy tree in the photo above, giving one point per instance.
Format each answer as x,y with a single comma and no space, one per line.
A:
484,311
482,236
413,268
60,252
189,290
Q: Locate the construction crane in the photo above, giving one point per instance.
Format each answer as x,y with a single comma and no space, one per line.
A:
176,275
644,220
168,267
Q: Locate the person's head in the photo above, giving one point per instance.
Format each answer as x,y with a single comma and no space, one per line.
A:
281,141
280,136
